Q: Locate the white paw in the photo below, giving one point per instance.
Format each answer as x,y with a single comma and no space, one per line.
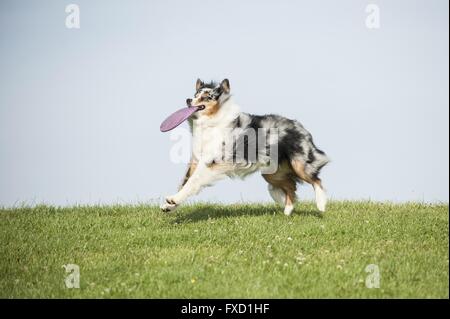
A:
321,199
288,210
169,205
166,207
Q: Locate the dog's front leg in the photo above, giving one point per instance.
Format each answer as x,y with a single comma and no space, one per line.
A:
204,175
191,169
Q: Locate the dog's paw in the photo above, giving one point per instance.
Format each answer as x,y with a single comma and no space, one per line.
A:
166,207
171,200
288,210
169,204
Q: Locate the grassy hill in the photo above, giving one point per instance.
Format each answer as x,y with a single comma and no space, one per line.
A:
218,251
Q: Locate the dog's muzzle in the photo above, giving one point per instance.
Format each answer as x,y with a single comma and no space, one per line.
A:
199,107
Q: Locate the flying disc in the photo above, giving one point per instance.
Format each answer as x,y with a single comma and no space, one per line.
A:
177,118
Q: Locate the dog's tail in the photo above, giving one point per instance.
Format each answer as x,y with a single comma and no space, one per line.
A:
316,160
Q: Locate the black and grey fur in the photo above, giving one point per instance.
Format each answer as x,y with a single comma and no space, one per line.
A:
294,141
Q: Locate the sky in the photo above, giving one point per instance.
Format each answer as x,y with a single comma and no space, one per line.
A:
80,108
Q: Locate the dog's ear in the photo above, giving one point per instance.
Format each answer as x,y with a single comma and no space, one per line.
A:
199,84
225,86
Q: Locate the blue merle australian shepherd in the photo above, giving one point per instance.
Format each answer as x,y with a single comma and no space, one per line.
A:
229,143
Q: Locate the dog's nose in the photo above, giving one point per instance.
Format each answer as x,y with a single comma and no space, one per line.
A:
188,102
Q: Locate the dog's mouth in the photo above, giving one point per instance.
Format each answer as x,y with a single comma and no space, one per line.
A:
199,107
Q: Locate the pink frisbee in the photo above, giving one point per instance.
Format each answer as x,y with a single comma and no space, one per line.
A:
177,118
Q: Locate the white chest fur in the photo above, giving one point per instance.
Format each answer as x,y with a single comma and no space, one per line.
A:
210,134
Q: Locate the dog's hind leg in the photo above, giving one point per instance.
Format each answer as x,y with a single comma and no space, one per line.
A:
282,188
321,198
277,194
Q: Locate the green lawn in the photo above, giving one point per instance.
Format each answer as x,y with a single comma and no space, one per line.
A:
211,251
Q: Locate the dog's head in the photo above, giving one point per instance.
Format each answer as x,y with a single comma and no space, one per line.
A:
209,97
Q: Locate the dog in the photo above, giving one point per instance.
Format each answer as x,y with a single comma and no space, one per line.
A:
220,133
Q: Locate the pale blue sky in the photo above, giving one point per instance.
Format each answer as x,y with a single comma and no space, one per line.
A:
80,109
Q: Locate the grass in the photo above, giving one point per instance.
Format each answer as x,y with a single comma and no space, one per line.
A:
234,251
